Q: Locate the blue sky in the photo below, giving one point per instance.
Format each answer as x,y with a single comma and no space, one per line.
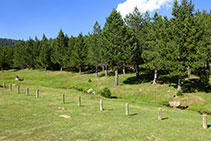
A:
21,19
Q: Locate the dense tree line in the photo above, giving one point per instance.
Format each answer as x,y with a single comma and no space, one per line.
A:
7,42
179,46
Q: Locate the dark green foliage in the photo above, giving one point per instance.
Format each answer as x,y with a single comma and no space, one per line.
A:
95,46
60,54
115,38
79,53
89,80
179,93
6,57
45,51
106,93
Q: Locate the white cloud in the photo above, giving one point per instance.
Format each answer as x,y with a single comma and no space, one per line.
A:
143,5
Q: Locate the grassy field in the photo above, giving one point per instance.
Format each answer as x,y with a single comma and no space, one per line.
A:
29,118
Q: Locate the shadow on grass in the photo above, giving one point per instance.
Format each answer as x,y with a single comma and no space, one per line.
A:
143,78
114,97
193,85
208,126
133,114
109,74
165,118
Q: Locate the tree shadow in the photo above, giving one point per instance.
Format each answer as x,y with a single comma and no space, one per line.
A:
109,74
143,78
193,85
166,79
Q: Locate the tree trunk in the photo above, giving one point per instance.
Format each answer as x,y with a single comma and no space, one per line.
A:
96,72
179,84
80,70
189,72
137,72
61,69
123,70
155,77
2,70
106,71
103,68
45,68
116,78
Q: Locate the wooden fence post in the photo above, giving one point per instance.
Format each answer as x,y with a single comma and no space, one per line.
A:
127,109
10,87
37,93
79,101
63,98
205,121
159,114
18,89
4,85
27,91
101,105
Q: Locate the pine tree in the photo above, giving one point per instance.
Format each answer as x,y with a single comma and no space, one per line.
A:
79,53
136,23
44,59
152,52
182,44
114,34
95,47
60,50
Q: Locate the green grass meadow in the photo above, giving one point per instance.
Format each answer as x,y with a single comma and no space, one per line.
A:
29,118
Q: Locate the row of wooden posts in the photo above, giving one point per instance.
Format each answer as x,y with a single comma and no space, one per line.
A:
18,89
101,104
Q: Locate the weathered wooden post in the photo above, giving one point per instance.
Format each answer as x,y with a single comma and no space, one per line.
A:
27,91
10,87
127,109
37,93
4,85
63,98
18,89
79,101
205,121
116,78
101,104
159,114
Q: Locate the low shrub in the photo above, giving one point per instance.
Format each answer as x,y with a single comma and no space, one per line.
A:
89,80
179,93
106,93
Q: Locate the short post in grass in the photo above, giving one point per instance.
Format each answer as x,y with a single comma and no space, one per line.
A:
79,100
10,87
4,85
18,89
37,93
101,104
27,91
159,114
63,98
205,121
127,109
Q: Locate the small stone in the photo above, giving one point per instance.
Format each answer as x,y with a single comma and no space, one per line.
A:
93,93
89,90
64,116
174,104
140,90
60,108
